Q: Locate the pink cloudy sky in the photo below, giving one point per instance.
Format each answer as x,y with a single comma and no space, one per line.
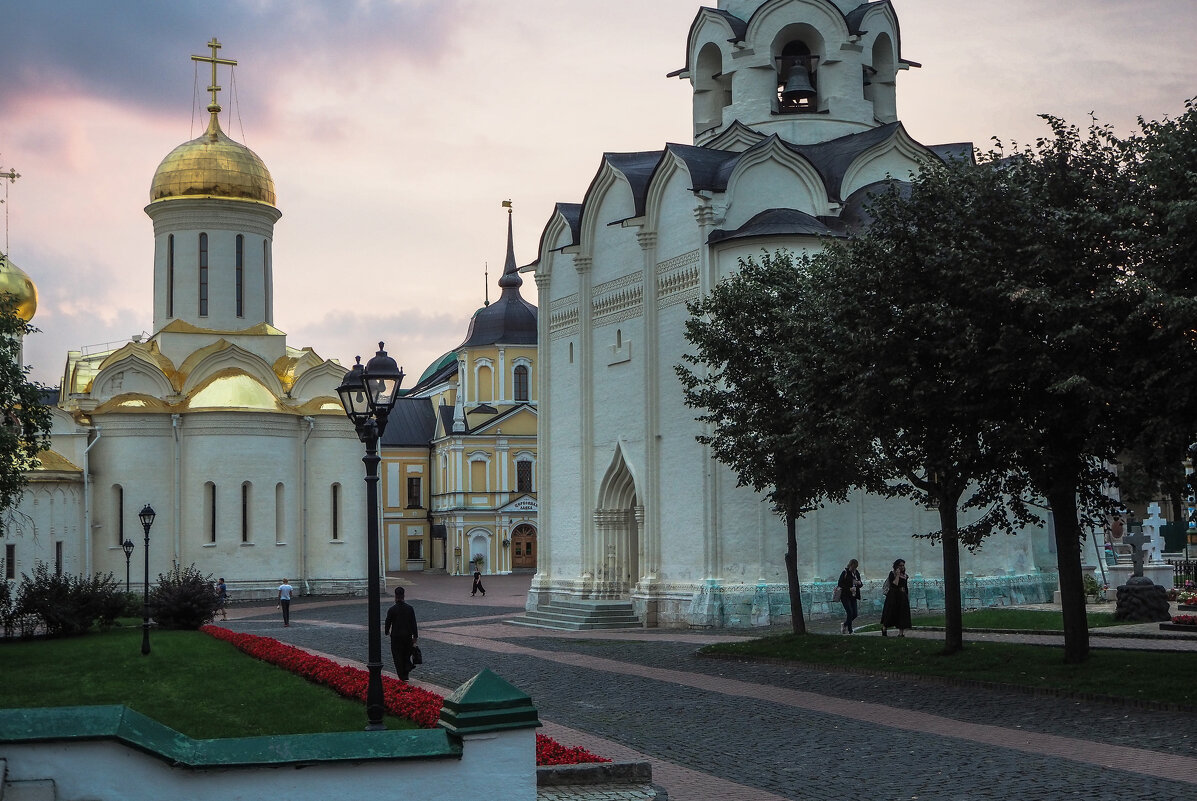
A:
394,129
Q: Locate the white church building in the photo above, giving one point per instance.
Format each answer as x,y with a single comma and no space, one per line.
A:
236,439
795,123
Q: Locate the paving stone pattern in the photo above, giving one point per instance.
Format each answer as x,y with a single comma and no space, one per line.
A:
729,729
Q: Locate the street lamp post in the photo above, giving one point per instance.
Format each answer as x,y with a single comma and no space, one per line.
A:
127,546
146,515
368,395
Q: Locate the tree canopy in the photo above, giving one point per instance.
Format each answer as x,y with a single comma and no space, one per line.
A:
26,424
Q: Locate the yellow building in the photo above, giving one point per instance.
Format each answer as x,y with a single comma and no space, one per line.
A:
459,451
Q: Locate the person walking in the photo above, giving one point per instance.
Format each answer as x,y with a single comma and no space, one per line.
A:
896,612
284,601
400,626
222,590
477,584
849,587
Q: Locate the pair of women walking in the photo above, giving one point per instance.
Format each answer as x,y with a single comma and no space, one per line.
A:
896,611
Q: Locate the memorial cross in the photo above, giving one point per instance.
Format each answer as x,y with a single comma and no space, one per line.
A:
1136,541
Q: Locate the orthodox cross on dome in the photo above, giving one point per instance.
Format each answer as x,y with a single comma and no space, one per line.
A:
214,107
12,176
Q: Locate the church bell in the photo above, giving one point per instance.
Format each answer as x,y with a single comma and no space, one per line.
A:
798,89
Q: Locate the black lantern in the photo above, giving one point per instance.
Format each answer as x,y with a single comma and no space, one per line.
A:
383,377
127,546
353,395
146,516
368,394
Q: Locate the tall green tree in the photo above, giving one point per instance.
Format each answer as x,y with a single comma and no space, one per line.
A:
24,430
756,407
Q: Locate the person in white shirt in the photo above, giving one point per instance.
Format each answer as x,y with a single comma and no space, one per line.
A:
284,601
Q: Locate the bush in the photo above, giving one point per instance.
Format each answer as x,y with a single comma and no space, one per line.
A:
68,605
184,599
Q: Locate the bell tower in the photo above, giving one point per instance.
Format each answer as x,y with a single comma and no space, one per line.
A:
807,70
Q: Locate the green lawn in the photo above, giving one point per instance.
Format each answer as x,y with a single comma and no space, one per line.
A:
1015,619
1145,675
190,682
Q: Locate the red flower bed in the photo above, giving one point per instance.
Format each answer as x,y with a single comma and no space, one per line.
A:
400,698
1185,620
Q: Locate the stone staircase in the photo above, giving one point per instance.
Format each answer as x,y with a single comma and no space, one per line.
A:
581,615
28,790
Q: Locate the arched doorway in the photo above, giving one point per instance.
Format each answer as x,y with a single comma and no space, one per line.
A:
618,522
523,547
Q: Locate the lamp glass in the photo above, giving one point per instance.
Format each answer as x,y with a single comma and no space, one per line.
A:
352,392
146,516
383,377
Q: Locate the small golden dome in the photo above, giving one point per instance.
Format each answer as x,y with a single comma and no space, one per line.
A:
14,280
214,166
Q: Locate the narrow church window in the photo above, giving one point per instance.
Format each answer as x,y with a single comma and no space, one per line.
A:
618,338
210,511
240,275
523,476
414,495
266,282
245,494
521,383
280,515
203,275
10,561
336,511
571,353
170,276
58,558
118,498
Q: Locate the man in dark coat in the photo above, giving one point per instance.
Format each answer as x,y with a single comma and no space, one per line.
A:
401,628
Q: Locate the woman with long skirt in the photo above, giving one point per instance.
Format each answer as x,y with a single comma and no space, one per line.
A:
896,612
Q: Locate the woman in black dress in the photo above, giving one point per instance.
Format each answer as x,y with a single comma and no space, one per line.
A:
896,612
849,585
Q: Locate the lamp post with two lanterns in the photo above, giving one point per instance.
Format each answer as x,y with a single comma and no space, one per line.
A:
146,516
368,394
127,546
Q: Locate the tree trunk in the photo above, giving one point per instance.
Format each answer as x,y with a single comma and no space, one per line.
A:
1072,586
799,620
953,632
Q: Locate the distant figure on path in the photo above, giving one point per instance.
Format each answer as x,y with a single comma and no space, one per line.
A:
284,601
849,585
477,588
400,626
896,612
222,590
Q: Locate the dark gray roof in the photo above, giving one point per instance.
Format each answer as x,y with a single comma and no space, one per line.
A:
510,320
412,423
833,158
738,27
856,215
704,164
638,169
954,151
775,222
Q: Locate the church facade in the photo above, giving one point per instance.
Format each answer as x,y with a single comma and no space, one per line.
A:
795,123
236,439
460,450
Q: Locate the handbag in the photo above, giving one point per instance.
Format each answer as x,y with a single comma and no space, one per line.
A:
417,658
835,596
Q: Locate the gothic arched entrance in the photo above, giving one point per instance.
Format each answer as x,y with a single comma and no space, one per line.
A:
523,547
618,523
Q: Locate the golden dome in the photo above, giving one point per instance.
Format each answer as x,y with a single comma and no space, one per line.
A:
213,166
14,280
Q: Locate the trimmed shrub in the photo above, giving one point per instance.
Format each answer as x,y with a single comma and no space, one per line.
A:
184,598
68,605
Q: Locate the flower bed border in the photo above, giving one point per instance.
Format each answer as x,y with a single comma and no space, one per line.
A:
399,698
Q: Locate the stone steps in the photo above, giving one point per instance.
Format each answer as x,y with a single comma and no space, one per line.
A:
581,615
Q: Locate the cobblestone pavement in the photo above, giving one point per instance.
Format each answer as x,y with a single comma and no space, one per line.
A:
716,729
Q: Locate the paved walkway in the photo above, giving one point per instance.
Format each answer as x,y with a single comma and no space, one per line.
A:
743,731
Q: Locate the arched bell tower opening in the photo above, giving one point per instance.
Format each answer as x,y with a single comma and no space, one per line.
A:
614,554
797,51
881,80
712,88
